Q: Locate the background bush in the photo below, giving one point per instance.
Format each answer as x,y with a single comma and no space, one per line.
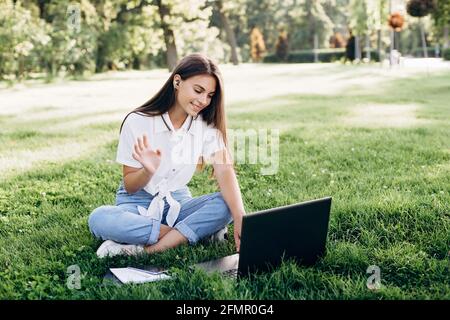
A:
324,55
446,54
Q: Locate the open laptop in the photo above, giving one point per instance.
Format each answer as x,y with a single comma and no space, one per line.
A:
296,231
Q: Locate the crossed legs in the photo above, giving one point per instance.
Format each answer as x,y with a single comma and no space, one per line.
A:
168,238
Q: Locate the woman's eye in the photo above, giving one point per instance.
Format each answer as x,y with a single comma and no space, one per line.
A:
210,96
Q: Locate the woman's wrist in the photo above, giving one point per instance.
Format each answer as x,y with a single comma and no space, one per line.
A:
148,172
237,214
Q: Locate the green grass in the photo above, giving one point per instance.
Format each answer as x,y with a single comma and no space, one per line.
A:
390,188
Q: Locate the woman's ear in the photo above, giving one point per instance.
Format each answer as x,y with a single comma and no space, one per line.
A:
176,80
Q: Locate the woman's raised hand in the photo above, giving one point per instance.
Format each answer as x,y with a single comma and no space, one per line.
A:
149,158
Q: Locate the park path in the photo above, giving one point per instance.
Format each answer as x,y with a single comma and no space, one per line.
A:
125,90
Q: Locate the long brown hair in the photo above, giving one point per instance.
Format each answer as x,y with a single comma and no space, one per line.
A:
191,65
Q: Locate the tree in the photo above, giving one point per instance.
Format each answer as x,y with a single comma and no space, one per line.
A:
281,50
258,47
22,37
314,22
230,36
379,13
359,23
263,14
441,17
302,20
74,34
169,36
367,16
420,9
185,25
87,35
147,27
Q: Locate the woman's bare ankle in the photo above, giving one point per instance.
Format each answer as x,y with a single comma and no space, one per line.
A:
151,249
163,230
173,239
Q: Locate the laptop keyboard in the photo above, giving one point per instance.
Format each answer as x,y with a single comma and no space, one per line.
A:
231,273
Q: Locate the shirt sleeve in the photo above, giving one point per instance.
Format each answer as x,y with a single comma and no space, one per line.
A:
213,142
126,146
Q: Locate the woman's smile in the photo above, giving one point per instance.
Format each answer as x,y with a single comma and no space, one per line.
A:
196,108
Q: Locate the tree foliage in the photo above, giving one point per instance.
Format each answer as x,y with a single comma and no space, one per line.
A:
22,37
282,46
258,47
48,37
420,8
441,13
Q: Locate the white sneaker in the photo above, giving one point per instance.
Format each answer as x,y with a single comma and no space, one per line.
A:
111,248
218,236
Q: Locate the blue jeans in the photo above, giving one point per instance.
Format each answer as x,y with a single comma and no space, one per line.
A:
198,218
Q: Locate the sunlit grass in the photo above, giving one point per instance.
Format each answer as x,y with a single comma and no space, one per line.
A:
390,188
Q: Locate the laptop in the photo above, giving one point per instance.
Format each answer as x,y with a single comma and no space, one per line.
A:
297,231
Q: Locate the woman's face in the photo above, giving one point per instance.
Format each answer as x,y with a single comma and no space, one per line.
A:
195,93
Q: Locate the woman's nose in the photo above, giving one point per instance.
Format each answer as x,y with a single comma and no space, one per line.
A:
204,99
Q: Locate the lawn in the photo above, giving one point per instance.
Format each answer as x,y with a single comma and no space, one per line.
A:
380,149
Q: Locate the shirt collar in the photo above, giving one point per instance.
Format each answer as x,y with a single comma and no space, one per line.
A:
161,121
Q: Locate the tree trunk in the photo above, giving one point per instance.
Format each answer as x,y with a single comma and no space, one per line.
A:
316,47
424,42
100,57
446,37
379,44
357,49
43,14
368,56
229,33
391,48
169,37
398,45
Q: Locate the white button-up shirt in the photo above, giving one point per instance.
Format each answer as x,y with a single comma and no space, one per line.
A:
180,152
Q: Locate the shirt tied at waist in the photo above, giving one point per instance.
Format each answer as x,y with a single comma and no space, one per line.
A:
156,207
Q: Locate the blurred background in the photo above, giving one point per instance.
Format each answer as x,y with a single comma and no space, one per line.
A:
41,39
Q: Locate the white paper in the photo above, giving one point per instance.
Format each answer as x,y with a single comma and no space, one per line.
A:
126,275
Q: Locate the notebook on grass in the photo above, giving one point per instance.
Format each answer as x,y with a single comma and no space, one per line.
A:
136,275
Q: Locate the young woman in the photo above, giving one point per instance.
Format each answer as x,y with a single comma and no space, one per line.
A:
160,146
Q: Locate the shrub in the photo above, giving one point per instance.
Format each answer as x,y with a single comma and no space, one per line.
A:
22,38
418,52
282,46
324,55
446,54
258,47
